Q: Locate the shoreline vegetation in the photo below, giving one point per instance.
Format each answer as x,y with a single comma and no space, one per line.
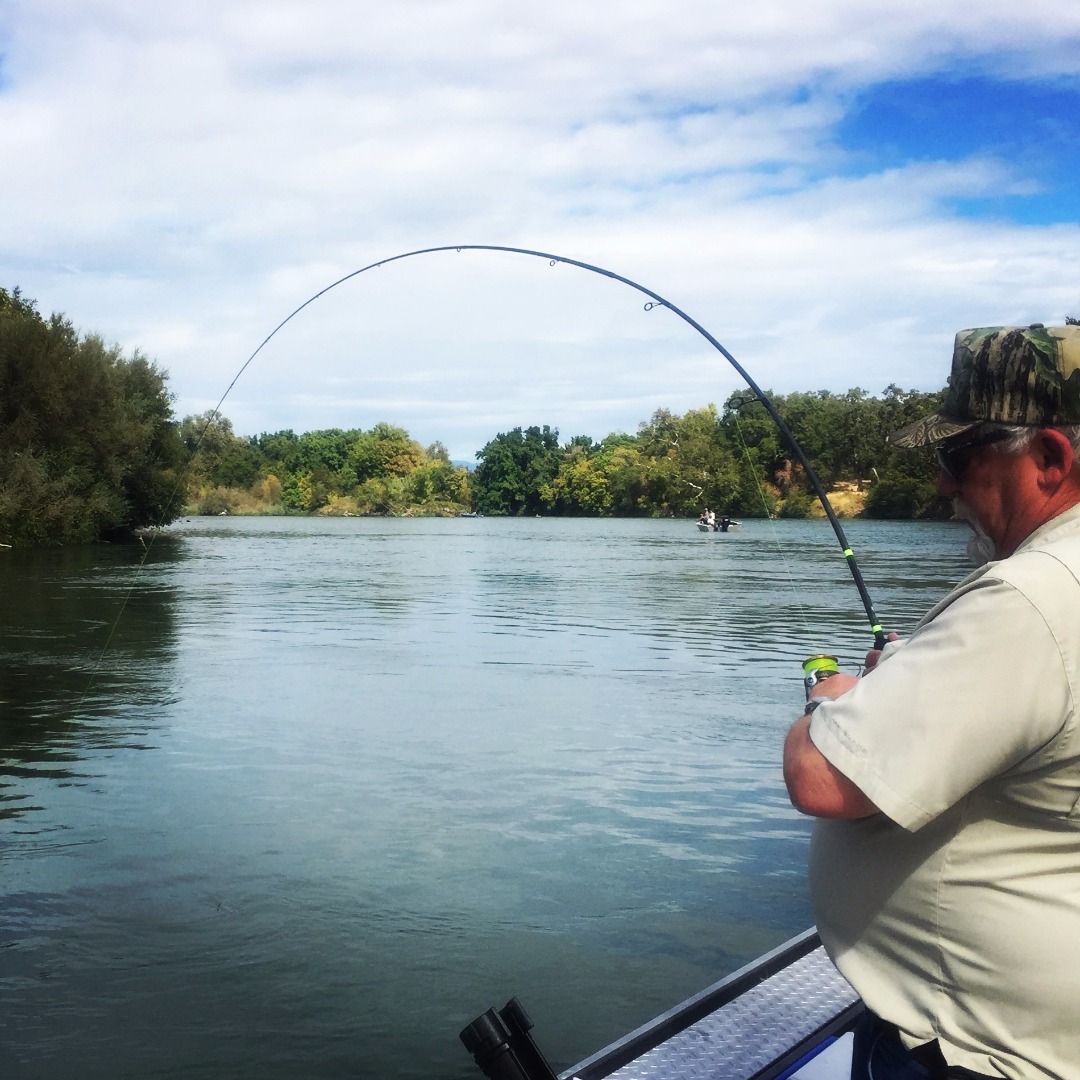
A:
267,498
90,450
846,499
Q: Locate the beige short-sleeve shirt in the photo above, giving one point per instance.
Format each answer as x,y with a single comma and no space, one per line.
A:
955,912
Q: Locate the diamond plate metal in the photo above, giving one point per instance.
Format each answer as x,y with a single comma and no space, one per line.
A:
747,1034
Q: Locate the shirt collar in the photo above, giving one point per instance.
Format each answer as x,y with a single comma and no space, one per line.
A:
1068,522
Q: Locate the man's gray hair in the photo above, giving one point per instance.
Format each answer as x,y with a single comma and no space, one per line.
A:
1019,438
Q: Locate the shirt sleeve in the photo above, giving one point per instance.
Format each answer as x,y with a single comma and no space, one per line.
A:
977,690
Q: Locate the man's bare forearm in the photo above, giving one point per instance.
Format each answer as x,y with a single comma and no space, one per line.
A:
815,786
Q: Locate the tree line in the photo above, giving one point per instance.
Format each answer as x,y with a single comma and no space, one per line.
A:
90,449
733,460
334,471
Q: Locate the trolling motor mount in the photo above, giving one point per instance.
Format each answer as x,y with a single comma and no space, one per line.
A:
502,1047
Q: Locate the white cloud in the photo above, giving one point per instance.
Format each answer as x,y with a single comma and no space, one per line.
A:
180,178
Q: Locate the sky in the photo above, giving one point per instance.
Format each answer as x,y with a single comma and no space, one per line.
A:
832,190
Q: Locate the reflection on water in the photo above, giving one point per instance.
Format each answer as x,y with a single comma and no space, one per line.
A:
301,798
75,678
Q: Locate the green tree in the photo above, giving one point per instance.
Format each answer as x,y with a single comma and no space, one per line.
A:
327,450
692,462
383,495
581,486
514,468
88,445
280,450
624,466
383,452
438,483
218,458
905,481
759,453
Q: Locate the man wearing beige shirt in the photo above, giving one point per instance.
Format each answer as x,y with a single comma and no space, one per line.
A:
945,864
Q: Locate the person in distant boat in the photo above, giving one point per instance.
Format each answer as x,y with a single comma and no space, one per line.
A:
945,864
710,519
703,517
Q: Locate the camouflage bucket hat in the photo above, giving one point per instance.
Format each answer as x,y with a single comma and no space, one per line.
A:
1024,375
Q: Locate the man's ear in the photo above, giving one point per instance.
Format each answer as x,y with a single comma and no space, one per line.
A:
1054,457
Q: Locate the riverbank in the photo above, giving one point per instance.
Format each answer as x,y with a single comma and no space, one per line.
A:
847,499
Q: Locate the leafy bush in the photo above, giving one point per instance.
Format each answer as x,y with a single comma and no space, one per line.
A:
88,446
798,504
905,498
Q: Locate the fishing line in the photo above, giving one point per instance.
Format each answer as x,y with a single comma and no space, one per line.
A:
784,559
655,300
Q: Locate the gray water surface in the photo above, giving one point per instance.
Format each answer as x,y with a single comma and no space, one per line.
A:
302,797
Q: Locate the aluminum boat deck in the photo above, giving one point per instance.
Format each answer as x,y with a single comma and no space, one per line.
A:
767,1021
786,1016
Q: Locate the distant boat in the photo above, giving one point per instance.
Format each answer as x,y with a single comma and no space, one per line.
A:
719,526
470,513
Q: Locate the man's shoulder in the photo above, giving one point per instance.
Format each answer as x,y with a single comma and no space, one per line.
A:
1041,577
1060,535
1058,545
1046,574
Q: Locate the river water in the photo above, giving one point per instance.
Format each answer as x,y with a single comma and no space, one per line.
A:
302,797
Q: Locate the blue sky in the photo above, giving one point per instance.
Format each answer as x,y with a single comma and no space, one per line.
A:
1029,126
833,190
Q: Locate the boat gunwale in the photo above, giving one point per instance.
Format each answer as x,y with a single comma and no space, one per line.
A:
714,997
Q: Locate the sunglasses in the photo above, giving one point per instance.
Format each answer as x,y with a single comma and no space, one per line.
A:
954,457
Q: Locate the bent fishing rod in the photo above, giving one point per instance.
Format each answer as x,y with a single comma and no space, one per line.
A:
655,300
